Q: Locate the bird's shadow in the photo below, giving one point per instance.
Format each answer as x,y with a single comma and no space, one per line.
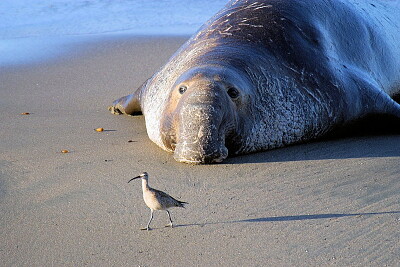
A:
292,218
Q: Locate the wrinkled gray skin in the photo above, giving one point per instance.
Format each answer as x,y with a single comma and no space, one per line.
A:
265,74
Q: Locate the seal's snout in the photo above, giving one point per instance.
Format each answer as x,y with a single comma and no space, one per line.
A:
201,137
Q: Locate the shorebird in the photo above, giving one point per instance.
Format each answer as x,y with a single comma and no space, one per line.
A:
157,200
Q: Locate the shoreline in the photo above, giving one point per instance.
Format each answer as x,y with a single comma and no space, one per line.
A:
62,48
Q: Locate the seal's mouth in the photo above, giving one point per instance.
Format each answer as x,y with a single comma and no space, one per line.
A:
192,155
198,150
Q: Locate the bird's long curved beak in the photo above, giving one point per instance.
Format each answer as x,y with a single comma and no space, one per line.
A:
137,177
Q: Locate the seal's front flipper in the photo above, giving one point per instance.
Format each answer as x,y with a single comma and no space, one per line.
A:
387,105
382,103
129,104
374,100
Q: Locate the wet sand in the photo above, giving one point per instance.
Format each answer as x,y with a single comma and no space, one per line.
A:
330,202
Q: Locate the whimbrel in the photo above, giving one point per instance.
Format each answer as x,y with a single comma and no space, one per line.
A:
157,200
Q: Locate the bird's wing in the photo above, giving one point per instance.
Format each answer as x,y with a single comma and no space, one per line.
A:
172,201
162,194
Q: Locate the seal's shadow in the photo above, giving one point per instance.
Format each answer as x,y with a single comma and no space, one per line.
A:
373,136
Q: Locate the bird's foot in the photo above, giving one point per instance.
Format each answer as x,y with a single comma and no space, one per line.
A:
170,225
146,228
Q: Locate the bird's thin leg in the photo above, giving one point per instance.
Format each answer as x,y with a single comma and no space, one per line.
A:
148,224
170,220
151,218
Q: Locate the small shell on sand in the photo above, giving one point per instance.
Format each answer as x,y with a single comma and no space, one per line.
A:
99,129
25,113
65,151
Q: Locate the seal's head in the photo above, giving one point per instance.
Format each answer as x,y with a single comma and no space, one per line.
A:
202,121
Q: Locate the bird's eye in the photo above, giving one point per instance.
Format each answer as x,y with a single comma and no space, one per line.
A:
233,92
182,89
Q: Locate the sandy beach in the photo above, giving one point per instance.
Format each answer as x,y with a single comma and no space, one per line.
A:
330,202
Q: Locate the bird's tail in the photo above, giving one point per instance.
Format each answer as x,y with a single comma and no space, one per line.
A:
182,203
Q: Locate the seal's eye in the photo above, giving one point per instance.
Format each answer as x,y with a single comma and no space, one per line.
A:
233,92
182,89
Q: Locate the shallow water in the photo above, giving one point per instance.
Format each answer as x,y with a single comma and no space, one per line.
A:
35,30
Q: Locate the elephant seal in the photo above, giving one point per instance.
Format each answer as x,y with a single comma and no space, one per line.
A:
265,74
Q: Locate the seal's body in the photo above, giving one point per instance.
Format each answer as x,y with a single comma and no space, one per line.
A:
265,74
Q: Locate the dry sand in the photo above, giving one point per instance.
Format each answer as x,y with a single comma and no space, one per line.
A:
331,202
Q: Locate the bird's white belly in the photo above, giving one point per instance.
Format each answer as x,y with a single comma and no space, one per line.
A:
151,202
